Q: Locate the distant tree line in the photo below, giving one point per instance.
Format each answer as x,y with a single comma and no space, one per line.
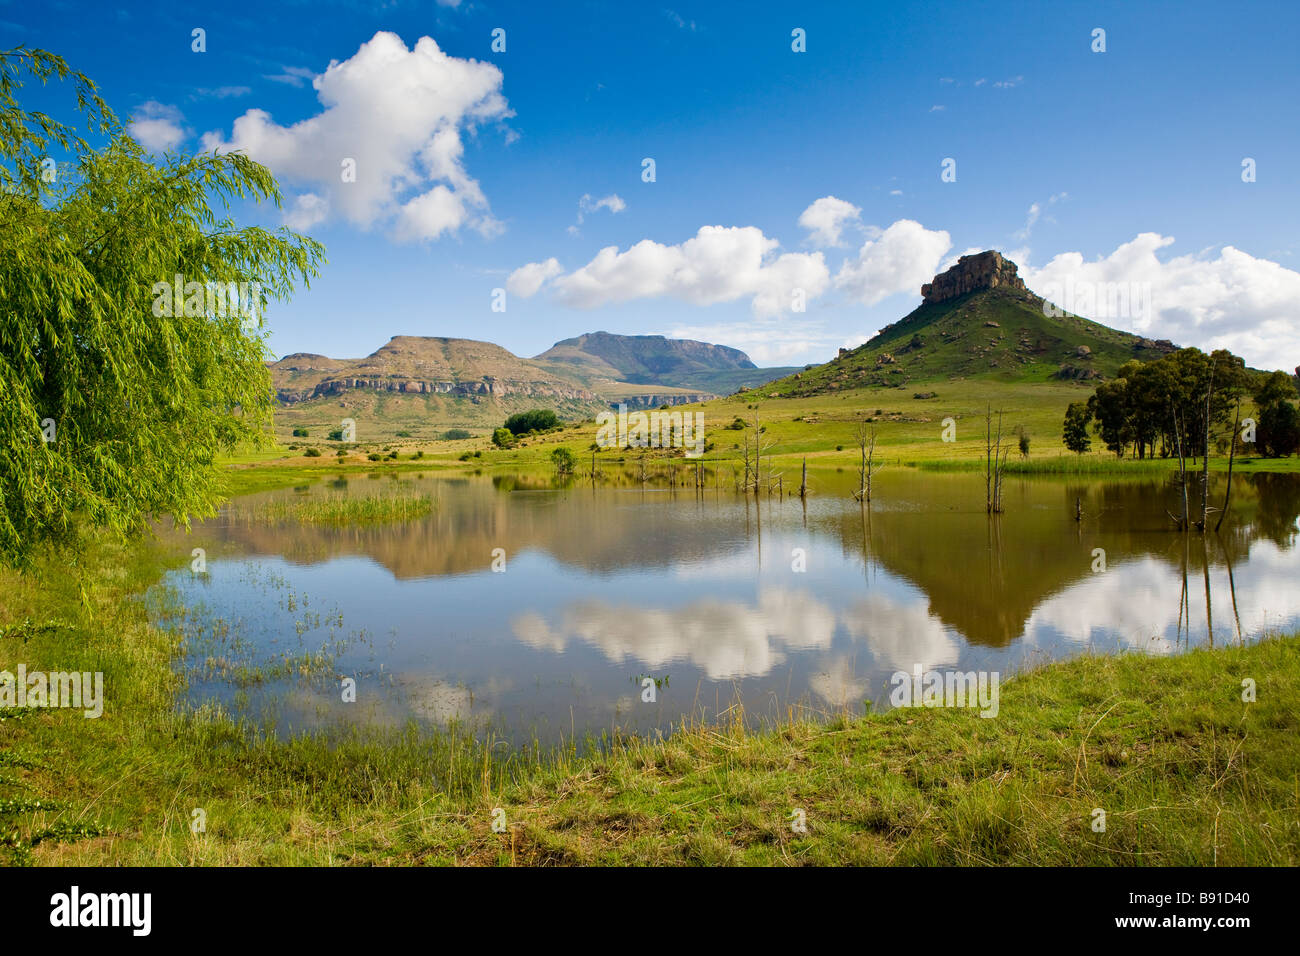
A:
1172,406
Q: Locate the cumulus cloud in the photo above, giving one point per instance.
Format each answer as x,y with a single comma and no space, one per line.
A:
1231,300
901,632
719,264
157,126
307,210
398,116
527,280
900,259
826,218
725,639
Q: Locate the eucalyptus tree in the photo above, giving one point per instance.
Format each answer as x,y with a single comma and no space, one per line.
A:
122,374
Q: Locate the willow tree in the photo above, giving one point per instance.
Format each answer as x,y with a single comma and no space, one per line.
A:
122,376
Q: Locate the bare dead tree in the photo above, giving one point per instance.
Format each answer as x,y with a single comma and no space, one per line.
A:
1182,520
865,436
1205,459
761,447
1232,454
995,460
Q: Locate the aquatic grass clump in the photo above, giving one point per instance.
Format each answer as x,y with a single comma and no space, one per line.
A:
339,510
1057,465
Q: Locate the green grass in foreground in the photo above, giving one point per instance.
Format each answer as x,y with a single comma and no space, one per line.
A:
1186,772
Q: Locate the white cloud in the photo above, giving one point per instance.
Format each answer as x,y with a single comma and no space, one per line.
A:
307,210
290,76
222,92
826,218
901,632
613,202
1008,84
679,21
157,126
938,108
768,341
968,251
399,115
900,259
720,264
1035,211
1232,300
728,640
527,280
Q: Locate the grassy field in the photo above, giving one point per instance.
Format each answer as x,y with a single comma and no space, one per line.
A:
820,428
1186,772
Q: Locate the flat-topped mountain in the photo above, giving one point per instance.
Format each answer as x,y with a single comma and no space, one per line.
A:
985,270
978,319
434,382
423,365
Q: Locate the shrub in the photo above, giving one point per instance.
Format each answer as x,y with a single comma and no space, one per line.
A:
312,453
455,434
563,460
417,455
336,435
375,456
300,433
503,438
539,419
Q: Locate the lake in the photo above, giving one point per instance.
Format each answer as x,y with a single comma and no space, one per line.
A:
730,606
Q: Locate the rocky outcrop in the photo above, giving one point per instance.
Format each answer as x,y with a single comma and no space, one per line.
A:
655,401
1071,373
985,270
485,386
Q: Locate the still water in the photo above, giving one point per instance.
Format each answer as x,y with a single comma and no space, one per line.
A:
723,601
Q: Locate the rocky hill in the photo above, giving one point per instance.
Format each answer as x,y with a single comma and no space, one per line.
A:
425,384
978,319
424,365
656,360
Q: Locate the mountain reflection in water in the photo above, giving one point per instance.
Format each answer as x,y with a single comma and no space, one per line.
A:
605,585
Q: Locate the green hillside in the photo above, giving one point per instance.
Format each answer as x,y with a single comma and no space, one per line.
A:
999,333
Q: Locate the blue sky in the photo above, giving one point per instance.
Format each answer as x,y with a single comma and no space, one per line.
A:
1088,168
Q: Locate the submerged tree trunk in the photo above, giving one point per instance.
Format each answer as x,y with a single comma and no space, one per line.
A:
1205,458
1232,454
